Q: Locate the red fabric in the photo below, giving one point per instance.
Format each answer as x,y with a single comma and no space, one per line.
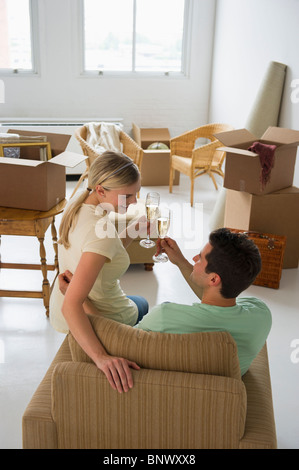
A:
266,154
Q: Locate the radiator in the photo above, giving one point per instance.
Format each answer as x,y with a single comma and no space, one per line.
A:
55,126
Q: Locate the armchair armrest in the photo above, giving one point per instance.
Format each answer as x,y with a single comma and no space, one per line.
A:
190,136
203,155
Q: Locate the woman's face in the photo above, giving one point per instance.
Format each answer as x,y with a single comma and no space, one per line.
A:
119,199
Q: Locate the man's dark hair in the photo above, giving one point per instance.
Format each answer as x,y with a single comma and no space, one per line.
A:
235,258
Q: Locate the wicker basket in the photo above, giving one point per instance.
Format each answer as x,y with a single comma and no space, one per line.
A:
271,248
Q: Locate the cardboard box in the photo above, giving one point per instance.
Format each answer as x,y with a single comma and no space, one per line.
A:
35,184
58,143
276,213
243,168
155,168
155,164
147,136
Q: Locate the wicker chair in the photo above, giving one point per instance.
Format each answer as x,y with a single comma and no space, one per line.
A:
130,148
195,162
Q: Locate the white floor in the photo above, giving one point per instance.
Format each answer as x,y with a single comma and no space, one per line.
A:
28,343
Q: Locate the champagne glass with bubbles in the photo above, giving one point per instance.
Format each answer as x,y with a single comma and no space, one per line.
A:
163,222
152,205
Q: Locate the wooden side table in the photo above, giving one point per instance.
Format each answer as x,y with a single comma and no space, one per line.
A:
31,223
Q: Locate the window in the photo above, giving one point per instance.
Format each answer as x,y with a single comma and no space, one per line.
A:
134,35
16,36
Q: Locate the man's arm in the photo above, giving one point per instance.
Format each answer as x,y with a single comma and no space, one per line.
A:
176,257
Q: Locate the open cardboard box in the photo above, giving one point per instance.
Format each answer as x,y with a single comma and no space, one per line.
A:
243,168
275,213
35,184
146,136
155,163
58,143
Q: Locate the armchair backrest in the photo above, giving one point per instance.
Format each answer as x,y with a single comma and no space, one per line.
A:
184,144
81,134
213,353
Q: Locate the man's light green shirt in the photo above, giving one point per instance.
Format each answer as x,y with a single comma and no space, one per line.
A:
249,323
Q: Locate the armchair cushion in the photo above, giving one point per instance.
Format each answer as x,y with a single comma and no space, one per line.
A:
212,353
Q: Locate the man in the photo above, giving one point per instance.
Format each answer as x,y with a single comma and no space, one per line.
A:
225,267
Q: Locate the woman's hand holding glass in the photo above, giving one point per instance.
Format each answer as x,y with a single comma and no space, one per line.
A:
151,205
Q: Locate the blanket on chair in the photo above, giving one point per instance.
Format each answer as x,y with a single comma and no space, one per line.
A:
103,136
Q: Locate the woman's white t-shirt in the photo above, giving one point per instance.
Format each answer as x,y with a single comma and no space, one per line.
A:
94,232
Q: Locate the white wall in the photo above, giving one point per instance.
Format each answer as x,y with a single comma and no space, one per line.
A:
248,35
179,104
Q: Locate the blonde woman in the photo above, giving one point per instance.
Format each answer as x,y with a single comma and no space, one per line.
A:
92,258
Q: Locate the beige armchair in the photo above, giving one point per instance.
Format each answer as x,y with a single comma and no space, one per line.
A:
188,394
195,162
130,148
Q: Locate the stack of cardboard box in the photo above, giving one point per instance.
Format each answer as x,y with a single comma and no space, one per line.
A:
273,208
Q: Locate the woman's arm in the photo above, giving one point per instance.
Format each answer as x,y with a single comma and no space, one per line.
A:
64,279
117,370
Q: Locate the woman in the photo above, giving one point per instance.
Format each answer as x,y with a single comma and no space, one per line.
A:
90,248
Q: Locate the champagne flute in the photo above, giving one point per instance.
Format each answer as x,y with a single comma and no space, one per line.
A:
151,204
163,222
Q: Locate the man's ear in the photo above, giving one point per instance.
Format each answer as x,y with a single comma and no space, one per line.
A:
215,280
